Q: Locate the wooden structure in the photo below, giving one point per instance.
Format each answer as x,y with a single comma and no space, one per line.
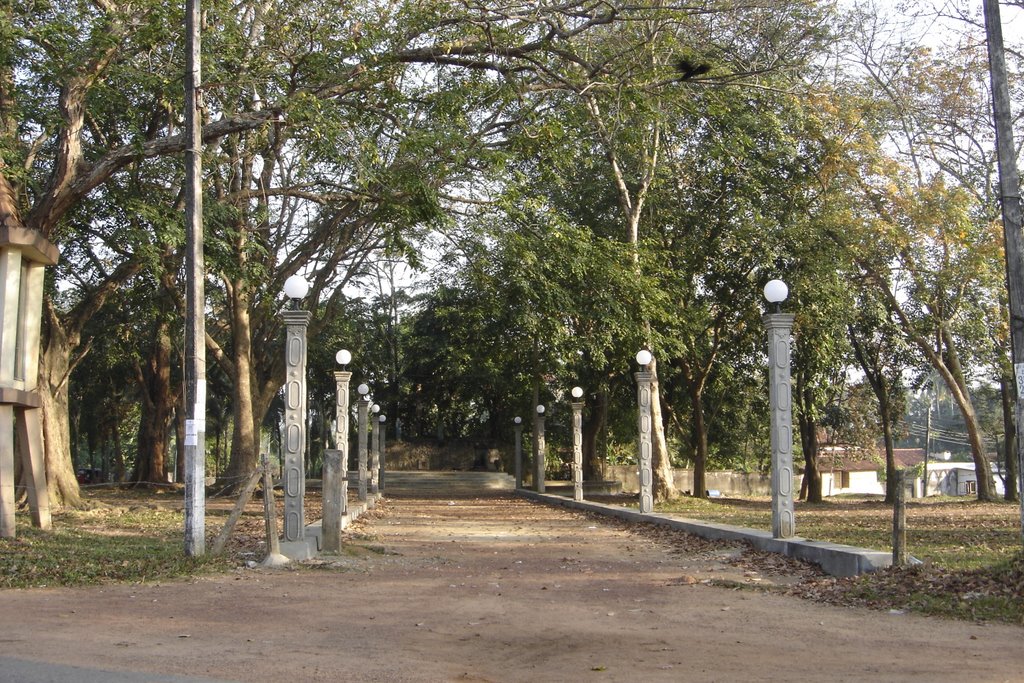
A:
24,254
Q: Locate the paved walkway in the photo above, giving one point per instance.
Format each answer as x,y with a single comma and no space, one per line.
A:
493,588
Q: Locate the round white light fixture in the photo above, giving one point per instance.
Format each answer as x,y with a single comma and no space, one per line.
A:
644,357
343,357
296,287
776,291
383,419
540,410
375,408
577,392
363,389
517,420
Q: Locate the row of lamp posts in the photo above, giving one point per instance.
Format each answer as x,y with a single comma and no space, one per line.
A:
370,453
779,326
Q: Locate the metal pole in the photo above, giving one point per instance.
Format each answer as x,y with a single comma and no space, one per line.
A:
577,450
294,473
927,446
195,330
779,326
644,453
1009,192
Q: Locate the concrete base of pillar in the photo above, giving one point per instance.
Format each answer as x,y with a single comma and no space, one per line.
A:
306,549
274,560
311,546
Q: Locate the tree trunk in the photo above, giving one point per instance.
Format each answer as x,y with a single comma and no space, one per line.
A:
54,371
118,453
962,396
1010,492
699,440
885,413
664,480
157,410
810,488
592,429
243,439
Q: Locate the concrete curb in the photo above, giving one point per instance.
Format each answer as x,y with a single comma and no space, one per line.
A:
834,558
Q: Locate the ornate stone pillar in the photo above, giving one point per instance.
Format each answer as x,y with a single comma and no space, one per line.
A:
518,421
644,452
779,326
374,428
363,411
540,460
294,446
381,443
341,382
577,450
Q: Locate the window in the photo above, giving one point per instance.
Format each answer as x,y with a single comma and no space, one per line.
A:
970,487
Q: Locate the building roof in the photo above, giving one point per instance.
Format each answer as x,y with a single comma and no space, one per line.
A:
852,459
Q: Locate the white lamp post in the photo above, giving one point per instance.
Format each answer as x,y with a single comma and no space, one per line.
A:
336,485
577,443
294,474
380,453
374,450
363,410
779,326
518,426
644,448
541,455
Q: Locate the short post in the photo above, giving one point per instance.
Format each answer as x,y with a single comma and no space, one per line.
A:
374,473
577,444
381,442
341,380
518,422
779,326
333,476
644,446
274,557
294,439
363,411
899,521
540,460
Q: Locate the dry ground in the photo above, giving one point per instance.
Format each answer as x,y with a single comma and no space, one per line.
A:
500,589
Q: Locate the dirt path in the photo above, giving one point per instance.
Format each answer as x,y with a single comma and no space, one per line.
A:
496,589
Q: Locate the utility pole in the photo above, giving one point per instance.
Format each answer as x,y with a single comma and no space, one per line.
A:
1009,194
195,330
927,445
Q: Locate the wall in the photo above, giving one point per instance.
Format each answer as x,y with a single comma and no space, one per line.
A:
728,482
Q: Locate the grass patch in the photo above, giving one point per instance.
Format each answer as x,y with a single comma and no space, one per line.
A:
973,564
119,543
954,533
